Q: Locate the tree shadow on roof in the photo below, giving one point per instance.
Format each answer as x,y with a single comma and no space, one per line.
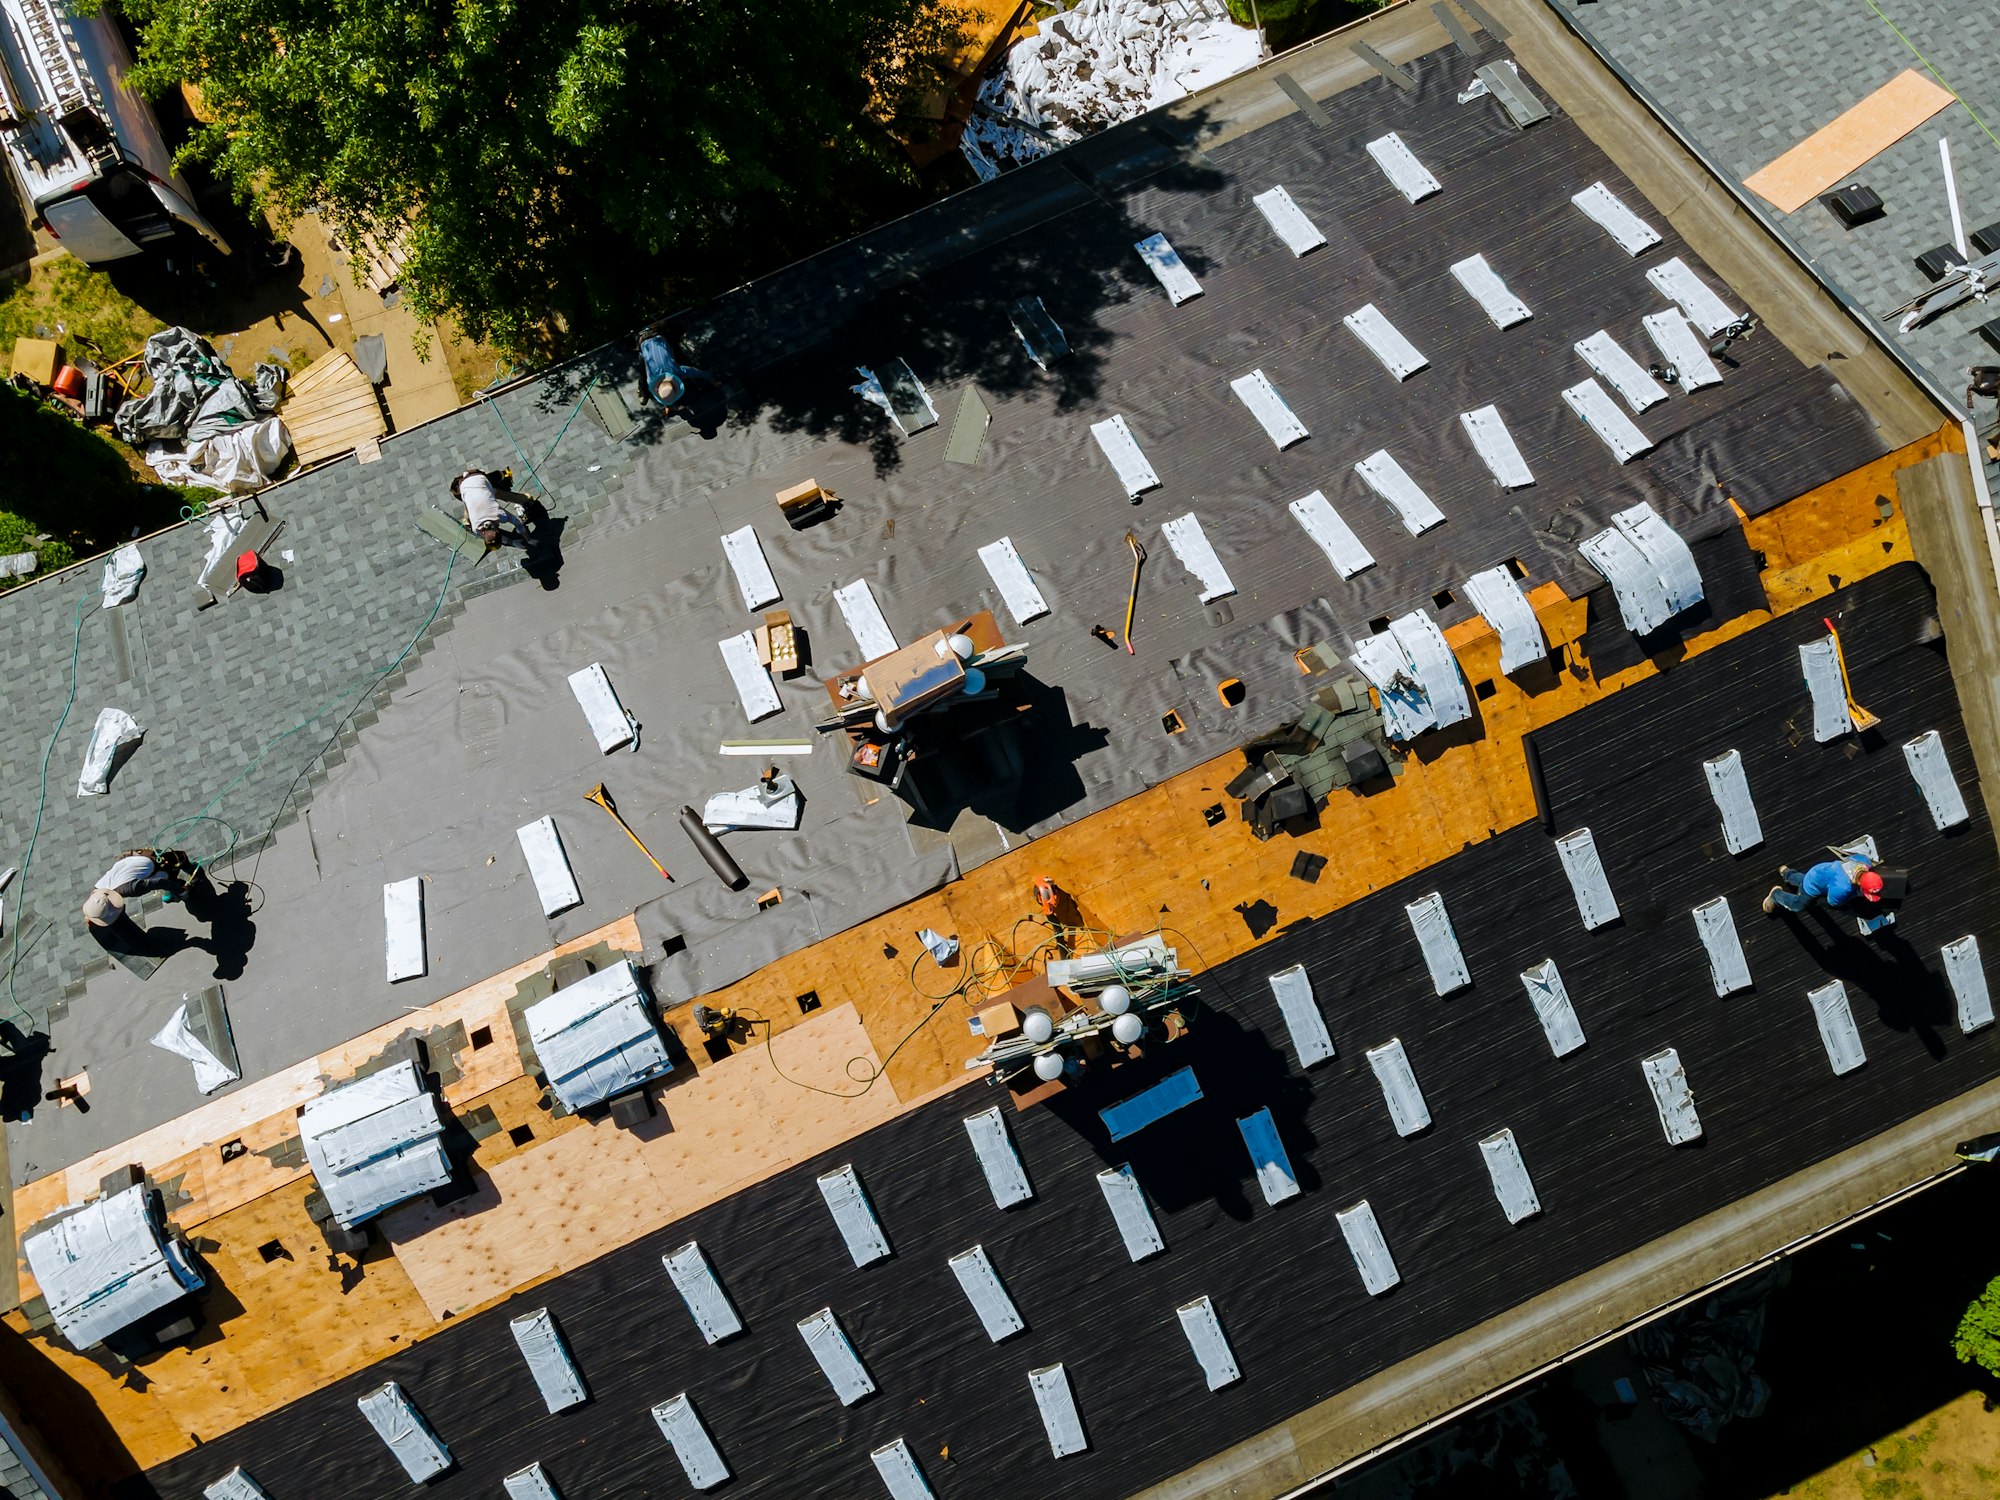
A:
935,290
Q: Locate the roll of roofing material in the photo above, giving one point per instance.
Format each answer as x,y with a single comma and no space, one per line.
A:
710,847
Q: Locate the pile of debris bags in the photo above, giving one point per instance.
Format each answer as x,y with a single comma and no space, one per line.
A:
201,423
1698,1361
1096,64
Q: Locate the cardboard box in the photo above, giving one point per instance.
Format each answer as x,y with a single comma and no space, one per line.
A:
1000,1020
38,359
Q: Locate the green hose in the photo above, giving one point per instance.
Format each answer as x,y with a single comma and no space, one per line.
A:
41,806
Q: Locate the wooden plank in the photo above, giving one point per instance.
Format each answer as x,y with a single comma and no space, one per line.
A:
1836,151
334,397
320,413
320,370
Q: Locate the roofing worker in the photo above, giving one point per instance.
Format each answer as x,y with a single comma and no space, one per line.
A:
136,872
490,518
668,381
1831,882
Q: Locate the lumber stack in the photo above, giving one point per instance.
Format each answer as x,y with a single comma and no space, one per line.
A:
382,261
330,407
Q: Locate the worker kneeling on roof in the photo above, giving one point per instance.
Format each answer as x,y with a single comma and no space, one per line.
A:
136,872
493,520
1831,882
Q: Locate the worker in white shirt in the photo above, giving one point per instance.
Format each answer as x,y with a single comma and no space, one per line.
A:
493,520
136,872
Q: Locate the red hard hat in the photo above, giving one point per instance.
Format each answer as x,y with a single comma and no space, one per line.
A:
1871,885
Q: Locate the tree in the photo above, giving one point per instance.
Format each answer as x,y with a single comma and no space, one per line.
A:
557,167
1977,1341
65,483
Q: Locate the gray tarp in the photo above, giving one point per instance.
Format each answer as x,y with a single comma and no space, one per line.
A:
194,394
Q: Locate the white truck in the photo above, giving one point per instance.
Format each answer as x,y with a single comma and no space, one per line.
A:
85,148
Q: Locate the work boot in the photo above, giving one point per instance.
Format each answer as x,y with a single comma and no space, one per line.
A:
1770,901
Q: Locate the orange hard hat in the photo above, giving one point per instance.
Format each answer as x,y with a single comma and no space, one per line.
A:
1871,885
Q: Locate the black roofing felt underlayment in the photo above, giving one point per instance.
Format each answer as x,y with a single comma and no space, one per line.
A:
1294,1309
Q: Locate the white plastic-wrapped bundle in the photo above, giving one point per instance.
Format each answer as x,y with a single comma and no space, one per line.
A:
1101,62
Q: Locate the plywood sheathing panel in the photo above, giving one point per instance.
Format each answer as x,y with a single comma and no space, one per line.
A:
1840,148
597,1187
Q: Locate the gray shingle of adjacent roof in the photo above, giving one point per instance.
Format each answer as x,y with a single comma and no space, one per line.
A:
1752,81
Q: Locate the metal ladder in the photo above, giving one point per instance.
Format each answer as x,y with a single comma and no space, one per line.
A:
51,39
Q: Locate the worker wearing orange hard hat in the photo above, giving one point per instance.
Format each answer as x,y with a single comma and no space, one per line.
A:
1831,882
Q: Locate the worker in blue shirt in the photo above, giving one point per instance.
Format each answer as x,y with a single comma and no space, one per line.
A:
1831,882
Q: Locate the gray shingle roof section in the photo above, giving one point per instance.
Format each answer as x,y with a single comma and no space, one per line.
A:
212,696
1749,82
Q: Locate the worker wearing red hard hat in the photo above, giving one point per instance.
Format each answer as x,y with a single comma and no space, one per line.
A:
1832,882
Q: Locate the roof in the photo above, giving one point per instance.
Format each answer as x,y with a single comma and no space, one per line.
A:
364,578
1295,1312
1795,488
1766,77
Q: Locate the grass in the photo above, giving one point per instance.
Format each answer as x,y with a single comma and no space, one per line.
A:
65,300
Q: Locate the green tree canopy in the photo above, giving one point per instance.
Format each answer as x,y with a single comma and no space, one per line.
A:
556,167
1977,1341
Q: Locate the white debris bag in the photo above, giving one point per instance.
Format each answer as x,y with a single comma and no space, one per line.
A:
225,525
115,730
210,1072
122,575
237,462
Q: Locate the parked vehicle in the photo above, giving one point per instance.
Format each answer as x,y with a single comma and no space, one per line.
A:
86,149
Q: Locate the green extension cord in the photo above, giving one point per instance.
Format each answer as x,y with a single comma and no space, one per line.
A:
41,806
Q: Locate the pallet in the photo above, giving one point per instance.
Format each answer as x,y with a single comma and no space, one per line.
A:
383,259
330,408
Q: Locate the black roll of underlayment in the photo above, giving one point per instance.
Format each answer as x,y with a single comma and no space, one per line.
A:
1543,811
726,869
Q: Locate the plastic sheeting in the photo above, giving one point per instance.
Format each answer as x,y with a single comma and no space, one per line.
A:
236,462
210,1072
122,575
374,1143
106,1266
1100,62
596,1039
194,395
114,732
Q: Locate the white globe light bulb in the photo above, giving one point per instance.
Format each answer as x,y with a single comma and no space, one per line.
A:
1049,1066
1128,1028
1114,999
1037,1025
